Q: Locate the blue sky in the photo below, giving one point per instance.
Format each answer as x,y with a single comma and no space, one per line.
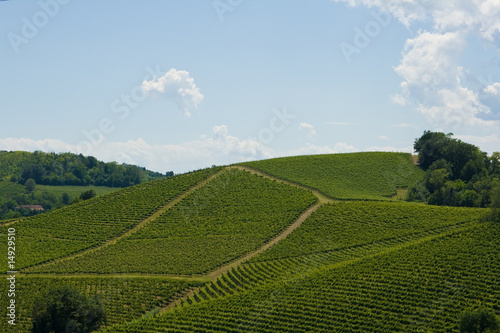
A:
181,85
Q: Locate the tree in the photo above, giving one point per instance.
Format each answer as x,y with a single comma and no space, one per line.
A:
479,321
88,195
495,201
30,185
65,198
64,309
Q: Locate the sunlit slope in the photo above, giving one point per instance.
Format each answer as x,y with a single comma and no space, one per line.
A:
351,225
235,213
424,287
370,176
93,222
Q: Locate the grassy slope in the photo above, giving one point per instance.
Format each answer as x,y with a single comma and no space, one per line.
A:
232,215
309,282
366,176
9,189
93,222
124,298
421,288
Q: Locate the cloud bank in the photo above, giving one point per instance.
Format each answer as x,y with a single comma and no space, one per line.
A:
433,80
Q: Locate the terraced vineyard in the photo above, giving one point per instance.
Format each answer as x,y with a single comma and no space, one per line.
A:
420,288
361,176
235,213
93,222
125,298
194,254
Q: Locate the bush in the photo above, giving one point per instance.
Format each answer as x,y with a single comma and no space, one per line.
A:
479,321
66,310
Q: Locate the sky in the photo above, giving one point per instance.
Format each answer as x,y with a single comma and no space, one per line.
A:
184,85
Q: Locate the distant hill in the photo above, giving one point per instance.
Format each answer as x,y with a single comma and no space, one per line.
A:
70,169
59,179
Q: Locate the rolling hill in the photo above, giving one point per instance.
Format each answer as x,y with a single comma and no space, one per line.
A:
300,244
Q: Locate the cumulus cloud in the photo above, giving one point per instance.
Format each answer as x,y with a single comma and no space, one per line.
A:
493,89
176,86
433,80
309,129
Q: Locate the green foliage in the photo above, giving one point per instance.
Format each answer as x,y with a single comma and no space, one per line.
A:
88,195
70,169
93,222
479,321
123,298
456,173
351,224
235,213
30,185
66,310
372,176
419,288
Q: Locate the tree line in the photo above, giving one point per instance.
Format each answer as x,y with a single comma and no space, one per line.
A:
456,173
72,169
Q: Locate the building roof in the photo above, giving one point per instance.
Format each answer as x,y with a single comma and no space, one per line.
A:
32,207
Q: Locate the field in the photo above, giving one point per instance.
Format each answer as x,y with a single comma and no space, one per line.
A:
233,249
93,222
360,176
233,214
423,287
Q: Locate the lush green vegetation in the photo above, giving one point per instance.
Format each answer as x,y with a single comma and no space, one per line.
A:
124,298
456,173
340,226
49,197
372,176
233,214
70,169
66,309
421,288
51,180
370,265
93,222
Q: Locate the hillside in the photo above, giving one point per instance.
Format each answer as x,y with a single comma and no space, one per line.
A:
59,179
360,176
241,249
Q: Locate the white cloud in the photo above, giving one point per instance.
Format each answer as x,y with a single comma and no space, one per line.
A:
309,129
493,89
430,65
383,137
479,16
177,86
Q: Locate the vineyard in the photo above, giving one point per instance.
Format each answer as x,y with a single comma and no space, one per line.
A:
361,176
233,214
264,250
125,298
93,222
420,288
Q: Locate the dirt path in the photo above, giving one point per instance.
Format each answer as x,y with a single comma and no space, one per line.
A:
218,272
321,197
139,226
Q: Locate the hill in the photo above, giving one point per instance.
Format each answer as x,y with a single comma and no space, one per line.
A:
236,249
59,179
360,176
